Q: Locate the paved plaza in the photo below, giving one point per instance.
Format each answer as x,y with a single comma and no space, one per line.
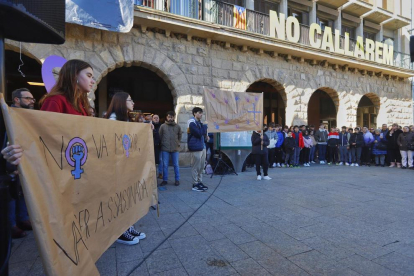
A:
309,221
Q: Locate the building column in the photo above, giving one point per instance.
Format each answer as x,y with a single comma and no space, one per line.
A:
380,34
360,29
397,40
312,13
250,5
283,7
103,94
338,21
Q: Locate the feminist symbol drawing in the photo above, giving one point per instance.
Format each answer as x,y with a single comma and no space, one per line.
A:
76,155
126,142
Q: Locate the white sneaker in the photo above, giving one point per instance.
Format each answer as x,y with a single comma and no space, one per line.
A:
352,164
259,177
313,162
283,165
274,165
322,162
278,165
308,164
356,165
347,164
340,164
266,177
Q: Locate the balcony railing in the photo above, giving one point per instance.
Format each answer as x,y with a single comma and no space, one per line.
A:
256,22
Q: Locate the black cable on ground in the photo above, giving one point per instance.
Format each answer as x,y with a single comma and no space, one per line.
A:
161,243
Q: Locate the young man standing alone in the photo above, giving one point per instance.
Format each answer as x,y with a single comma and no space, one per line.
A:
170,136
197,132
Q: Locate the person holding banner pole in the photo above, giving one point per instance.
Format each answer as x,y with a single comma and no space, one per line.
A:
196,133
260,153
118,110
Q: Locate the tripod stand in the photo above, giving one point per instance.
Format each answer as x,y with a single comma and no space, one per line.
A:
220,158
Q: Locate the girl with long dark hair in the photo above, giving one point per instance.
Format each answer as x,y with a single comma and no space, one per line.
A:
118,110
70,93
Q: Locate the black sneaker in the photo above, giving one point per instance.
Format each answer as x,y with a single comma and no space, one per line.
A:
198,188
131,230
127,238
205,188
163,183
177,183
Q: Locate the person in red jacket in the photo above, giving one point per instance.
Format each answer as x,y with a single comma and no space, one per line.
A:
297,135
70,94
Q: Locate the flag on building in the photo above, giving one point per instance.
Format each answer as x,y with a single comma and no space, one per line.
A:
239,17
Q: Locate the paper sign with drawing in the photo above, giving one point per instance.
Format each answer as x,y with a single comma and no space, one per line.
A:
228,111
85,181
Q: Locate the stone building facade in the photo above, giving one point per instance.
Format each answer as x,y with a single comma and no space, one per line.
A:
186,64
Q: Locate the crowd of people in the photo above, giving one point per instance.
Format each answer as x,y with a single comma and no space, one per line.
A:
284,147
69,96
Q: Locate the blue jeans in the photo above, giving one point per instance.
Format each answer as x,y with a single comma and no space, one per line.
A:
343,151
322,152
165,160
17,210
160,165
296,156
312,154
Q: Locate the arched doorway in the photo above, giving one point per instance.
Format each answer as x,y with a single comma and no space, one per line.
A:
32,79
273,103
322,109
149,91
367,112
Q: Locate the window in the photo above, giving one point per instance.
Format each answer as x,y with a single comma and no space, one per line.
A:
325,23
369,36
265,6
236,2
347,29
302,17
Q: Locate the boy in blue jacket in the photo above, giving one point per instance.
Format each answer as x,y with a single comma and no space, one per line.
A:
196,133
279,144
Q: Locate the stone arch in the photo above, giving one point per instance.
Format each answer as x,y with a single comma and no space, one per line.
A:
368,112
143,56
316,117
332,93
15,47
275,99
277,85
374,99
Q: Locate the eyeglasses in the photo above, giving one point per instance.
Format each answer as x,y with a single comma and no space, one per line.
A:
28,98
130,101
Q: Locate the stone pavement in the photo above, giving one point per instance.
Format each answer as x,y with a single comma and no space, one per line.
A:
307,221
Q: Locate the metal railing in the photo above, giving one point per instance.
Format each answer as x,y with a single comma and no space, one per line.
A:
222,13
258,22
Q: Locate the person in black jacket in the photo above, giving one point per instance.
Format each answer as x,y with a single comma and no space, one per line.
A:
392,146
289,145
260,153
356,141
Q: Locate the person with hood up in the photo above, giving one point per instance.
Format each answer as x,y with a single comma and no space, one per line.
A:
260,152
